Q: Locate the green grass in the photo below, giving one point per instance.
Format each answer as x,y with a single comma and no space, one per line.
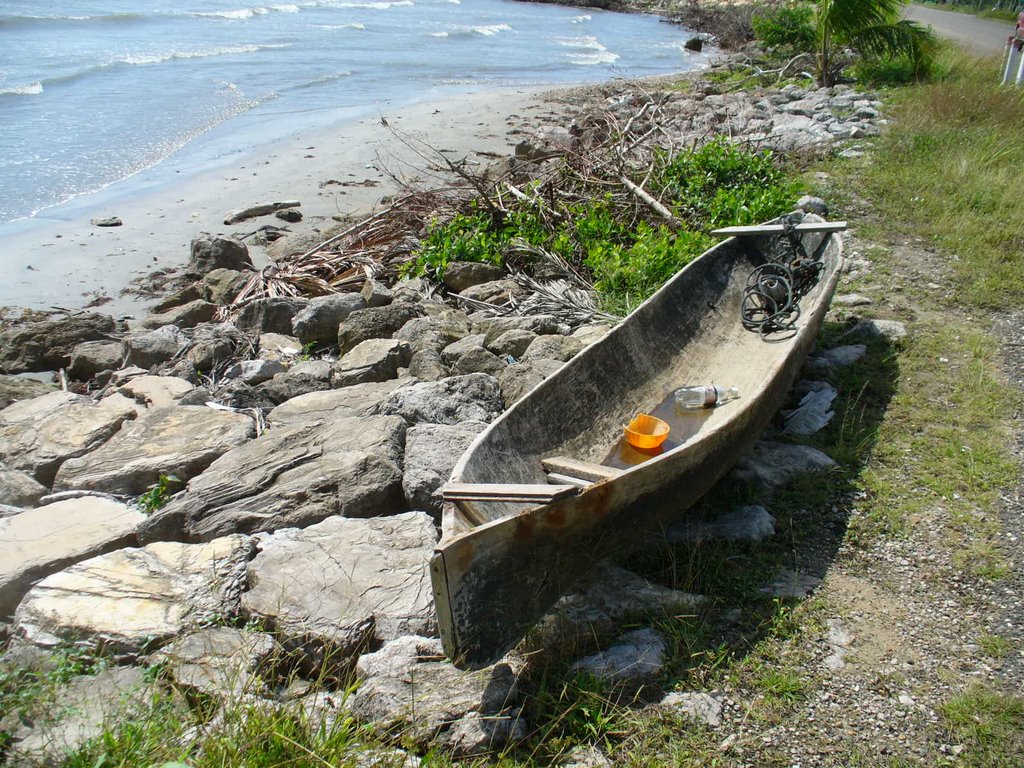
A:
988,723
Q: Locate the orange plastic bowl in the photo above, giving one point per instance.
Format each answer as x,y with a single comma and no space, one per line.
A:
646,432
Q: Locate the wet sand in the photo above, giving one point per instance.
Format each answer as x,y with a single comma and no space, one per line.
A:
59,259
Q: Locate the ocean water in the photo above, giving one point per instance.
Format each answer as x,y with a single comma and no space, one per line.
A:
92,92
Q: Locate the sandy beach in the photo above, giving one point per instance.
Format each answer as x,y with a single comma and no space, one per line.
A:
59,259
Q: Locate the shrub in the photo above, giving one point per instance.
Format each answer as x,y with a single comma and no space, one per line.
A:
789,26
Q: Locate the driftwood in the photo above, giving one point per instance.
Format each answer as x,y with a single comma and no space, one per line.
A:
233,217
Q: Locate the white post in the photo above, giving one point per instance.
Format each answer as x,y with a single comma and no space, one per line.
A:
1020,70
1011,61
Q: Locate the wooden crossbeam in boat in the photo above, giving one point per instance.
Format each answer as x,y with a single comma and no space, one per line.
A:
556,479
770,229
513,492
584,470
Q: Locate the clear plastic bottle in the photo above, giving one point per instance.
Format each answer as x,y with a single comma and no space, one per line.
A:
707,396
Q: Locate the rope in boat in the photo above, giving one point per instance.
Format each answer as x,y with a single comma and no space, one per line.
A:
771,298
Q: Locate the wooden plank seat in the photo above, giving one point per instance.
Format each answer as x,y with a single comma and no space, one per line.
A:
565,469
513,492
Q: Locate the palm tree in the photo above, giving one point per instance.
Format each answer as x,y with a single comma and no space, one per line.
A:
871,27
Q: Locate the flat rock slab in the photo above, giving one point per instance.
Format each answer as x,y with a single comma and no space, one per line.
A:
635,658
42,541
180,441
219,661
838,357
342,579
84,706
291,477
137,599
409,693
356,400
157,391
40,434
814,411
771,465
749,522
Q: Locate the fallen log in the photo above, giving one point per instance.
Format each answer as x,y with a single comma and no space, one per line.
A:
233,217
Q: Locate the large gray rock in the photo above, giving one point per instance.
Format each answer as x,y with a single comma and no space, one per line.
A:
343,580
39,435
893,330
406,689
137,599
220,661
356,400
273,315
542,325
42,541
19,489
253,372
221,286
318,322
560,348
698,706
814,411
749,522
91,357
475,397
591,332
455,350
435,331
47,344
181,441
460,275
514,342
184,316
479,360
771,465
431,451
838,357
493,292
375,293
149,348
291,476
84,708
286,386
210,252
375,323
156,391
637,657
426,365
213,344
369,361
14,388
517,380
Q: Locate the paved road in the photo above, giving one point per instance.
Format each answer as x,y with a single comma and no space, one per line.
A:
983,37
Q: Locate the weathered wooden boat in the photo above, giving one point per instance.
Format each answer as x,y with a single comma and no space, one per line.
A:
550,488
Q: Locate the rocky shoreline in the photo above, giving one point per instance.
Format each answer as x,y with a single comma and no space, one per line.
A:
292,449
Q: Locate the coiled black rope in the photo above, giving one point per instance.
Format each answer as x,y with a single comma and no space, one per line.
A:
773,291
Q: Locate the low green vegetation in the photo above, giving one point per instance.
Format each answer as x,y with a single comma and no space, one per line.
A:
717,184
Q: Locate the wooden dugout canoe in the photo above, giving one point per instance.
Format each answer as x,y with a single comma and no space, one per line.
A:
520,537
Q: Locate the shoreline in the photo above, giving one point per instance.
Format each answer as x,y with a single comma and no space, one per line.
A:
58,259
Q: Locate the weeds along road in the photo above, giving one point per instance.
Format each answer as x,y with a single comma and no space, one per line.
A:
982,37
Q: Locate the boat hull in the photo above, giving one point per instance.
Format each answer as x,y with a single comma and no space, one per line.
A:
495,580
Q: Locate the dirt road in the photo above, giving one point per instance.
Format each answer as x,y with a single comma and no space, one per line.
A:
982,37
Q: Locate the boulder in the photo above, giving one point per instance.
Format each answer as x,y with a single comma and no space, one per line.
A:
291,384
133,600
475,397
838,357
460,275
318,322
410,290
426,365
431,451
46,345
150,348
190,292
513,342
14,388
221,286
19,489
772,465
375,323
494,292
344,580
591,332
542,325
156,391
42,541
213,344
479,360
451,353
356,400
893,330
39,435
272,315
749,522
369,361
253,372
517,380
180,441
636,658
814,411
84,708
698,706
561,348
92,357
291,476
850,300
278,346
434,332
224,662
185,316
375,293
210,252
407,690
